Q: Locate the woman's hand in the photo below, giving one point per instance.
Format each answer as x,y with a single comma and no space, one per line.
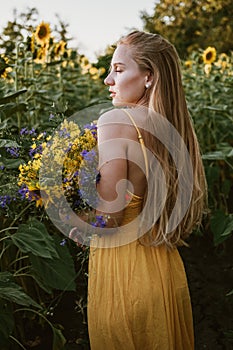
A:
77,237
77,233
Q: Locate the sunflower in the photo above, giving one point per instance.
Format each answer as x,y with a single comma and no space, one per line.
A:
209,55
42,33
188,64
207,68
31,43
41,54
4,67
59,48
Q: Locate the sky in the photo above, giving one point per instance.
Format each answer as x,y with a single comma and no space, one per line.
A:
93,25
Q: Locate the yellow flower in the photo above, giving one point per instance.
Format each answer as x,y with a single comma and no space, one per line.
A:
102,70
207,68
37,155
4,67
33,146
41,55
223,62
209,55
65,152
42,33
67,64
39,202
59,48
84,61
188,63
223,57
93,70
85,65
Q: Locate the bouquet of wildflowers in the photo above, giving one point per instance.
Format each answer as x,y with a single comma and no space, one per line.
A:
67,161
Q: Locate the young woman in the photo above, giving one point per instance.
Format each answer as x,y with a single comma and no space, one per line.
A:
152,193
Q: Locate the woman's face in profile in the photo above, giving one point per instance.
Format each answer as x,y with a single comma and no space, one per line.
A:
126,81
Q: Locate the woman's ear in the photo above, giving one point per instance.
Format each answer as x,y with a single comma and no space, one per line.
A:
149,77
148,80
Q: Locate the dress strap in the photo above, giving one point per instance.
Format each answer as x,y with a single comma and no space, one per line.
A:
140,139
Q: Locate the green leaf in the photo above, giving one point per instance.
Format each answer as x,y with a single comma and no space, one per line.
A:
225,152
221,225
8,143
230,154
212,175
6,321
12,108
3,125
58,273
58,339
12,292
216,108
10,97
229,293
229,226
12,163
217,155
34,238
226,187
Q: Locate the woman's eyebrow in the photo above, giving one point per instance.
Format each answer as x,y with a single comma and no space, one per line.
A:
118,64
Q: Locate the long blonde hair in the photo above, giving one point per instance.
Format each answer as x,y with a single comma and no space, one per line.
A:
166,96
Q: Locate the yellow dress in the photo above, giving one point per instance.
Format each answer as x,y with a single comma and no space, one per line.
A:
138,297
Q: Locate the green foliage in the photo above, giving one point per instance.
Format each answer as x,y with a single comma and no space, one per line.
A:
190,25
34,238
208,89
11,291
36,93
41,75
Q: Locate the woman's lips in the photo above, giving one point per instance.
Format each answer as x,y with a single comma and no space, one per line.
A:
112,94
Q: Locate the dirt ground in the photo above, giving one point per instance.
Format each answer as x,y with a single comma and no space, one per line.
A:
210,276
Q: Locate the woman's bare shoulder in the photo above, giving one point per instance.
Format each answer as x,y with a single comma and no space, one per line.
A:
113,116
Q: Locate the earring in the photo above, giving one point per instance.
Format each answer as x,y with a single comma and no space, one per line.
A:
148,85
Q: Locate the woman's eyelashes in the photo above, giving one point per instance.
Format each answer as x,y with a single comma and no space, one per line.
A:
118,69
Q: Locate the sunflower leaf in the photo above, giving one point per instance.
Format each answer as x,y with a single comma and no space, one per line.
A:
10,97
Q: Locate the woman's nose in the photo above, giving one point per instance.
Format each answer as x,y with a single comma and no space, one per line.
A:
109,80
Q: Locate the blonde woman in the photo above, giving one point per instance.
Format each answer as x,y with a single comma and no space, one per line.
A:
152,193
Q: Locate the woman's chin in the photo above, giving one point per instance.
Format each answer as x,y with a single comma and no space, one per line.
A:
119,103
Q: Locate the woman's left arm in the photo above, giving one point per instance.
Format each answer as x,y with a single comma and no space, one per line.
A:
112,185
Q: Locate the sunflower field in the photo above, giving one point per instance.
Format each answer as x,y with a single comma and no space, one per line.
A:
43,82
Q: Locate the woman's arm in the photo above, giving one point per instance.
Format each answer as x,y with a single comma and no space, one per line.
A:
111,188
112,184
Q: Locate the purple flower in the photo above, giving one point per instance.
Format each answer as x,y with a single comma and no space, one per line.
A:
24,131
63,242
5,200
2,167
14,151
32,131
33,151
92,128
64,133
100,222
23,191
88,155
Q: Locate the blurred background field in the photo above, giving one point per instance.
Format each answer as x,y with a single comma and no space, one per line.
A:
43,81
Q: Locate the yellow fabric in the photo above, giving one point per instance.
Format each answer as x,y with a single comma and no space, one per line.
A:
138,298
